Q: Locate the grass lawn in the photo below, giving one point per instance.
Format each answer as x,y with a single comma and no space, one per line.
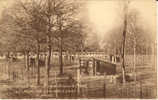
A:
95,85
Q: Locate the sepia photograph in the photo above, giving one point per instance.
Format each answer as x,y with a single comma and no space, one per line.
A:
78,49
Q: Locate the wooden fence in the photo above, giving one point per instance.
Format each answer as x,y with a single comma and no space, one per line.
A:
92,90
96,89
140,59
138,90
67,91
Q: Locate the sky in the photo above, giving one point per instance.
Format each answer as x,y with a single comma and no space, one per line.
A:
104,14
4,4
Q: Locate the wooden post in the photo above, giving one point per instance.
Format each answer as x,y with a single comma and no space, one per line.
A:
8,69
28,78
134,60
70,59
104,86
147,94
80,65
13,76
141,90
87,67
56,91
22,74
78,82
93,67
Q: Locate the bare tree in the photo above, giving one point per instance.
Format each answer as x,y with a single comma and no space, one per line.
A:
14,37
138,34
124,39
30,26
129,34
133,30
124,16
65,13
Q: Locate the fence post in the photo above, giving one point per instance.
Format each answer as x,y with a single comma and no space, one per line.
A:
134,90
78,82
147,92
8,69
94,71
56,92
87,67
121,91
127,89
70,58
13,76
80,65
28,78
104,91
141,90
87,89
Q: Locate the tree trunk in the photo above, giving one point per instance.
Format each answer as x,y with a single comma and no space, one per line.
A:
37,64
48,59
123,52
60,57
9,69
27,60
8,64
134,62
48,56
27,66
154,54
7,55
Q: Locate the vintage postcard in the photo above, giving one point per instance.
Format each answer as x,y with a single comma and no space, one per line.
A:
78,49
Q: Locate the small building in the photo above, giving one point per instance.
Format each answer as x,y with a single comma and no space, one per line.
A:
105,67
95,66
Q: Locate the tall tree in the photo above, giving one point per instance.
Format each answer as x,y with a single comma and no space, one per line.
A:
30,26
125,10
130,33
65,13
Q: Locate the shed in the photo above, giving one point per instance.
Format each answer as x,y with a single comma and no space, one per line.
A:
105,67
